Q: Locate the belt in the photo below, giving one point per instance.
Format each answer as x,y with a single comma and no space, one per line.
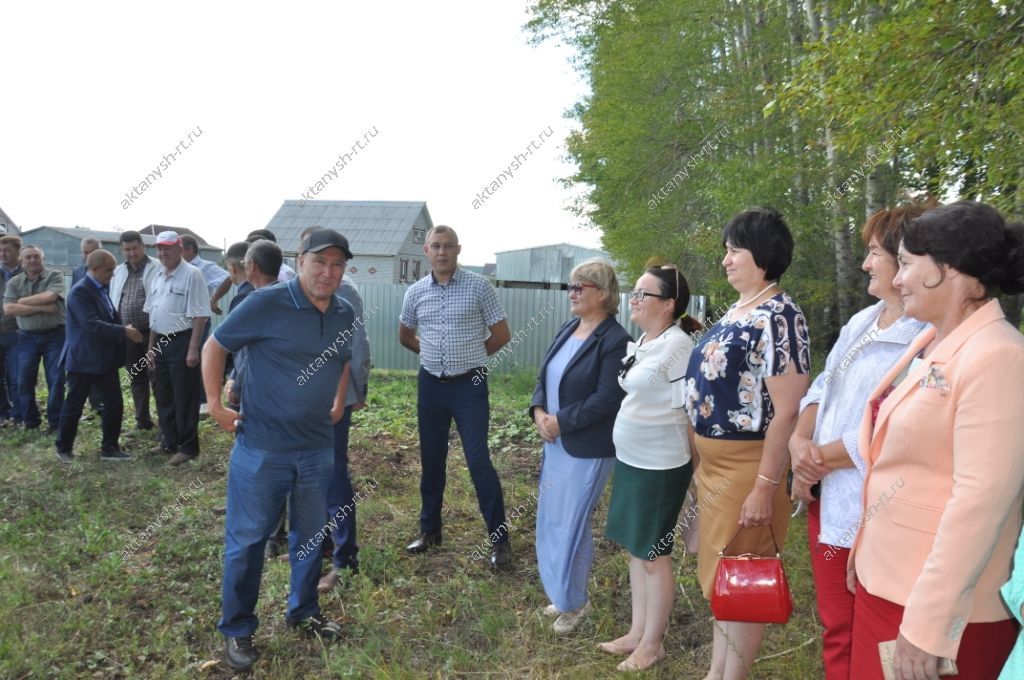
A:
48,330
456,378
171,336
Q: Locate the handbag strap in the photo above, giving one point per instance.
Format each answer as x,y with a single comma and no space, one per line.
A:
770,528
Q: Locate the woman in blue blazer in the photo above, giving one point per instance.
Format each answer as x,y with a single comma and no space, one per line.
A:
574,407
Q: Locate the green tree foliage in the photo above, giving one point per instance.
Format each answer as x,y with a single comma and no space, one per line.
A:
822,109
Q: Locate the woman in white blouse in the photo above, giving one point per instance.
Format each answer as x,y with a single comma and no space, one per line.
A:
652,450
823,446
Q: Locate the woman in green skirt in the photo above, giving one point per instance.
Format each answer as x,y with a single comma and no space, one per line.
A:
652,451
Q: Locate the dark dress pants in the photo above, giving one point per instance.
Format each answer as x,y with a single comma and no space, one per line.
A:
80,385
139,377
177,391
439,403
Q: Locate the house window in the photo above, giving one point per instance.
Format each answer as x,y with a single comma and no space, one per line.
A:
403,271
416,270
418,235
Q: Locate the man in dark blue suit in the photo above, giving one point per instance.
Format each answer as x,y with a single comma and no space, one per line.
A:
93,351
89,245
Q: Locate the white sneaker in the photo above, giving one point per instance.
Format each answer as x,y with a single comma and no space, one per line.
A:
551,611
567,621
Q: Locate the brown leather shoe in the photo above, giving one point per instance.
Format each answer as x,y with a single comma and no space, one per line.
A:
179,458
423,543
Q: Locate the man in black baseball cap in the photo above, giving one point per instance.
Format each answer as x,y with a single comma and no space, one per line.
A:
320,239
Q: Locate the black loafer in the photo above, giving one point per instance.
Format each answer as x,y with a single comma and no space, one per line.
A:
66,456
501,555
114,454
240,652
318,625
424,542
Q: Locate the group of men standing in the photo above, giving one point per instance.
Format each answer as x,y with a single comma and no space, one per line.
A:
151,316
147,315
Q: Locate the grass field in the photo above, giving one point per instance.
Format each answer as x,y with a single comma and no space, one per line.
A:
83,597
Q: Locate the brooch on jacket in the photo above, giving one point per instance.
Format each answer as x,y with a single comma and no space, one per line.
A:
935,380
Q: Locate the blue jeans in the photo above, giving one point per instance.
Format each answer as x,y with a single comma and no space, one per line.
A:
31,348
9,397
259,484
340,500
468,404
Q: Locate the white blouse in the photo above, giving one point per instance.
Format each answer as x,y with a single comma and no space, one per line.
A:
858,361
650,428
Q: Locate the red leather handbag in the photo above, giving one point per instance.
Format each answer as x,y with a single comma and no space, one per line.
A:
751,588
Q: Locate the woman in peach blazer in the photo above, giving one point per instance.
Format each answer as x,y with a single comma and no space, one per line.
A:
943,438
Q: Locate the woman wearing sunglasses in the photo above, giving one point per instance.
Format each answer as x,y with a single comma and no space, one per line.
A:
574,407
743,389
652,450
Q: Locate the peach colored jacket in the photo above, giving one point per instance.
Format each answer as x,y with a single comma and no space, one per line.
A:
942,494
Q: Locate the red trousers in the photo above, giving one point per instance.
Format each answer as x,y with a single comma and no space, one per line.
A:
835,602
984,647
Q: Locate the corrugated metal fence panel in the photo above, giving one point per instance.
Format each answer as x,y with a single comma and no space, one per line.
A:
534,316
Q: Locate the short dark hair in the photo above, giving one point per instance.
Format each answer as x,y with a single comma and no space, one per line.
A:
972,238
235,253
306,232
764,233
257,234
190,242
130,236
267,257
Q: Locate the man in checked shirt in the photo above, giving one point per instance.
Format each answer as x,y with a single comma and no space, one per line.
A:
460,323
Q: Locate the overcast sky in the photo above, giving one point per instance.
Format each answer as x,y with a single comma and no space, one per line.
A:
96,94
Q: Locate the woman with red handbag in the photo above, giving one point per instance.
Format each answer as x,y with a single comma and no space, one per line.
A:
824,445
744,383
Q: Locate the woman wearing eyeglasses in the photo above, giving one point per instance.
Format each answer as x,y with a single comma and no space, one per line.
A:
574,407
743,388
652,451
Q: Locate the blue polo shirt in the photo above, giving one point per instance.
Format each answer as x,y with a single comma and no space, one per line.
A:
295,357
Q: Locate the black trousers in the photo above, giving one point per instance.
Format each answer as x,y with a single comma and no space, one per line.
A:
79,386
177,388
140,378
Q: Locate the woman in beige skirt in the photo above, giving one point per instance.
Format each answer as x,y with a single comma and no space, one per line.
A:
744,382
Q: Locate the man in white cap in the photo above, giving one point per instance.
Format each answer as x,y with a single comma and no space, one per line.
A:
178,304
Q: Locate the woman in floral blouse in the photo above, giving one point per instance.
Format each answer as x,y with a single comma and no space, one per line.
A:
744,383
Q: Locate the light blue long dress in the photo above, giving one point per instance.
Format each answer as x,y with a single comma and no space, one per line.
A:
1013,594
569,490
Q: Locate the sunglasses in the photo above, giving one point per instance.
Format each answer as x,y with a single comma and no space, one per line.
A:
578,287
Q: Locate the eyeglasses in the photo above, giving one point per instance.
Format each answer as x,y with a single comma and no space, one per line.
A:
578,287
639,295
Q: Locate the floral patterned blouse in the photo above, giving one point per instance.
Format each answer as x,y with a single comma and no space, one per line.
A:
725,392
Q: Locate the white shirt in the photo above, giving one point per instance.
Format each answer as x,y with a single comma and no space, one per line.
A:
173,300
286,273
213,274
650,428
858,361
